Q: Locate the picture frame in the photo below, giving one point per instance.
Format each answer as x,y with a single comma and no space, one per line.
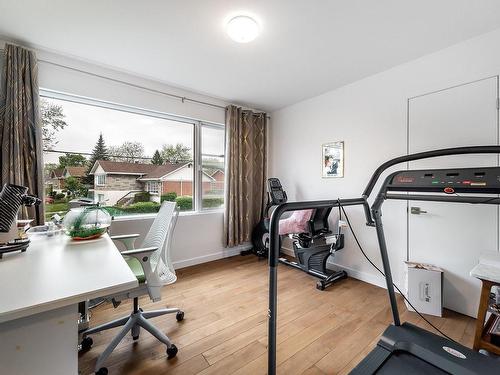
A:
332,159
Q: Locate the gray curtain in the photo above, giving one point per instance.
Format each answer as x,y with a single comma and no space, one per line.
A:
20,126
245,193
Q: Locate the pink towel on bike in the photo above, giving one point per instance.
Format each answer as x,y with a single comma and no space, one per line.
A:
296,223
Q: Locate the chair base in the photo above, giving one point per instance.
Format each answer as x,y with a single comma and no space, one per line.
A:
133,323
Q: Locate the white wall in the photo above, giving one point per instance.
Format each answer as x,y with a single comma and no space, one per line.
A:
370,116
197,238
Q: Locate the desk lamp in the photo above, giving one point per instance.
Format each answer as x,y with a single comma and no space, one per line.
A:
12,197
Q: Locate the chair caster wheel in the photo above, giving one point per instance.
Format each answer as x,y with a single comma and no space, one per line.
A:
102,371
171,352
87,343
320,286
135,338
179,316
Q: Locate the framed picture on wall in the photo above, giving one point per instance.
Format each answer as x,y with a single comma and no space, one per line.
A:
332,160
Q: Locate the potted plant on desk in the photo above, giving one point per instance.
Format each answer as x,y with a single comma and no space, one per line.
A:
86,223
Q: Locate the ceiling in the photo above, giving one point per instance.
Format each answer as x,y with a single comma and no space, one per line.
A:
306,47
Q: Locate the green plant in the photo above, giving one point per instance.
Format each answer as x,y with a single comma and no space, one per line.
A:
184,202
169,197
60,196
74,187
141,207
77,229
86,232
143,196
57,207
212,202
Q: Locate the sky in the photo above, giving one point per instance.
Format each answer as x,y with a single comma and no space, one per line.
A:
85,123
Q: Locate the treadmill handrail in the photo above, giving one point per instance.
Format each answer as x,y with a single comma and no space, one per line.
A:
426,155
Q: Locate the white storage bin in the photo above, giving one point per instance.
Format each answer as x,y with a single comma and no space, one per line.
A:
424,288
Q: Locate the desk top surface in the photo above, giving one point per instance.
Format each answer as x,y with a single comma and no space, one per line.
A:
56,272
488,267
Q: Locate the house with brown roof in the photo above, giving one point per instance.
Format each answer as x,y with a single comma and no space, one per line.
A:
57,177
115,181
55,180
77,172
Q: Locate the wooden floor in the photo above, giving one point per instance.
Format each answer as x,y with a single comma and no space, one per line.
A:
225,326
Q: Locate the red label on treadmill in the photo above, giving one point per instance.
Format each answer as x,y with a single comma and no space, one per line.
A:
454,352
449,190
405,179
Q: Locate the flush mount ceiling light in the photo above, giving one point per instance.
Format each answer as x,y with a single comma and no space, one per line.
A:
242,29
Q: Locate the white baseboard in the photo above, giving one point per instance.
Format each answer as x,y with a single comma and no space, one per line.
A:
363,276
225,253
351,272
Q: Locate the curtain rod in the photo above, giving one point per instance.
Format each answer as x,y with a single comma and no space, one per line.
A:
183,99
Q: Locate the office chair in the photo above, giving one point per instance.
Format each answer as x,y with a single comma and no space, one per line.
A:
152,266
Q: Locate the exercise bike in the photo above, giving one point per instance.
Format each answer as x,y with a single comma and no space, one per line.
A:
313,243
313,249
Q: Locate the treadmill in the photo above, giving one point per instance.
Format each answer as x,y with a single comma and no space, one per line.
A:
403,347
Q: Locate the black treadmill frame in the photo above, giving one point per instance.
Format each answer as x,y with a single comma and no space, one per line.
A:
373,216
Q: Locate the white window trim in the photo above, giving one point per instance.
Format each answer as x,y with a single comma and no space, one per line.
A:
197,178
198,162
96,179
149,184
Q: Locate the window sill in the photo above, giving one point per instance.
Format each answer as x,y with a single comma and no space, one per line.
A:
152,216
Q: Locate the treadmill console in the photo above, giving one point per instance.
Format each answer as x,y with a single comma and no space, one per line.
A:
450,181
276,193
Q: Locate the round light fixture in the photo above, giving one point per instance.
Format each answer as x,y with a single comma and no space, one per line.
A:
242,29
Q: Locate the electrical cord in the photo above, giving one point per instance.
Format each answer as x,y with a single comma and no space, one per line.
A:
383,274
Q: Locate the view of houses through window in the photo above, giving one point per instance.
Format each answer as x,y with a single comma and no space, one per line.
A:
128,162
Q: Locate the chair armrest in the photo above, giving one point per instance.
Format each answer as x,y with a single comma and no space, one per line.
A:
138,253
142,255
128,240
122,236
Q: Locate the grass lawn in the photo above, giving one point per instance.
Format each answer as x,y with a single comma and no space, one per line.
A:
56,207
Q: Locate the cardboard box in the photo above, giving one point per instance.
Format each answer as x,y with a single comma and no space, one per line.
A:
424,288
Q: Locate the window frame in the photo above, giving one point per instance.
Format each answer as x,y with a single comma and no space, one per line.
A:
153,183
97,177
197,141
199,192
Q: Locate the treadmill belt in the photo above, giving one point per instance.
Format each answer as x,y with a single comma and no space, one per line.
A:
407,364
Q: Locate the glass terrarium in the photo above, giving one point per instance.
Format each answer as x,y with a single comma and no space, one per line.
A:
86,223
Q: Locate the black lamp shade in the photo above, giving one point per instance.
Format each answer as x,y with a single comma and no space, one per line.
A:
11,198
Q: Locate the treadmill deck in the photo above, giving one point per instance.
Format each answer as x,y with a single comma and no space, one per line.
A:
408,349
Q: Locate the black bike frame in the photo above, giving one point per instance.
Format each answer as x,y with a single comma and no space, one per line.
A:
373,218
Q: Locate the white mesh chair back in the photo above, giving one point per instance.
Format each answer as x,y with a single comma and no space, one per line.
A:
160,236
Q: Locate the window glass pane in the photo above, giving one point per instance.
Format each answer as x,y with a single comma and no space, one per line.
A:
213,172
127,161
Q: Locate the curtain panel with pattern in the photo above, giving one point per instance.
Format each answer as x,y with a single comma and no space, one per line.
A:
246,163
20,126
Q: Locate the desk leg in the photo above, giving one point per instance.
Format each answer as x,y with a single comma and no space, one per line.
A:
481,312
44,343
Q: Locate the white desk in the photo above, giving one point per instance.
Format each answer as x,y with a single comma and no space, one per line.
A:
39,295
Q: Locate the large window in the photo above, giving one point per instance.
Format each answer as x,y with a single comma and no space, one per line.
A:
128,159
